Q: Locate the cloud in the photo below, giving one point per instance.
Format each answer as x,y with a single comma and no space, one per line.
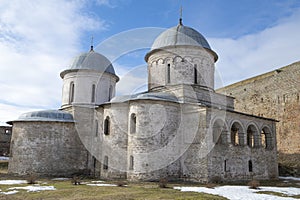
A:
131,81
37,40
254,54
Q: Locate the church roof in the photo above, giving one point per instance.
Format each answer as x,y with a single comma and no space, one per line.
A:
46,115
146,96
181,35
92,60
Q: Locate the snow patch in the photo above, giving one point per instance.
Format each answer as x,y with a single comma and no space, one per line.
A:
12,182
34,188
243,192
289,178
4,158
10,192
101,184
97,181
60,179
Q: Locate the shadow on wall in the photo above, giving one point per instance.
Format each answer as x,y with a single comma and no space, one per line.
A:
288,164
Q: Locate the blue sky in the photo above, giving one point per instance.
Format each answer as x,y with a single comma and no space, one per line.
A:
39,38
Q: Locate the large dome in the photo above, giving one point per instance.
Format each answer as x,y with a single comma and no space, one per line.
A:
181,35
92,60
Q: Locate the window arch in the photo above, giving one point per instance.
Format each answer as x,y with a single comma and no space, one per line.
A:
266,138
250,166
110,93
237,135
195,74
131,162
93,93
132,123
105,163
219,132
107,126
71,92
96,128
169,73
252,136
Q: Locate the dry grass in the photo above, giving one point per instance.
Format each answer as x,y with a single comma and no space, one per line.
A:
66,191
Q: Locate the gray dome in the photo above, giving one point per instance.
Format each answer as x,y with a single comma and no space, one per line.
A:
46,115
92,60
181,35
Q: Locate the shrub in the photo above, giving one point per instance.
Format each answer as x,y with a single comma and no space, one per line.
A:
216,180
75,180
31,179
120,183
163,183
254,184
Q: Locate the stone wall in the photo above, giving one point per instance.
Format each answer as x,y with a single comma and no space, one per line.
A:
5,136
46,148
229,157
274,95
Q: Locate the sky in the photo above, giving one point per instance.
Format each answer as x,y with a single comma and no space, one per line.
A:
38,40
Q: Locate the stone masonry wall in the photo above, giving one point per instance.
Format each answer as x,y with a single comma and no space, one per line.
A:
274,95
46,148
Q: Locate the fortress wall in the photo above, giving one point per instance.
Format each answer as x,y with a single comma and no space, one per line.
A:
274,95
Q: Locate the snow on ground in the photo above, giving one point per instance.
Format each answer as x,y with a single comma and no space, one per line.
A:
4,158
10,192
60,179
101,184
289,178
12,182
97,181
33,188
243,192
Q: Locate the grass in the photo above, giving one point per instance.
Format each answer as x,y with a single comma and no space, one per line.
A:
66,191
3,166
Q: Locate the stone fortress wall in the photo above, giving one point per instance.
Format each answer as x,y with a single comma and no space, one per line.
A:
275,95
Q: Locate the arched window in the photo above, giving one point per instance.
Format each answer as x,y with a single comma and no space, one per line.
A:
252,137
131,163
195,74
237,136
266,138
94,162
168,73
107,126
225,166
71,92
93,93
110,93
219,132
132,123
105,163
96,128
250,166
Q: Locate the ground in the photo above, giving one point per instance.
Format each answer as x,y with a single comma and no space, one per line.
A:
49,188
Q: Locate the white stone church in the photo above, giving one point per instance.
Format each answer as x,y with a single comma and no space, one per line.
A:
180,129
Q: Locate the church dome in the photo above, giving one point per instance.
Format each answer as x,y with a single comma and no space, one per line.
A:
46,115
92,60
181,35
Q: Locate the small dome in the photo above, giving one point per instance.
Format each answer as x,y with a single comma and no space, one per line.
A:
92,60
46,115
181,35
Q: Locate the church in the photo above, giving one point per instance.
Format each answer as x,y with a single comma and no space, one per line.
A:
179,129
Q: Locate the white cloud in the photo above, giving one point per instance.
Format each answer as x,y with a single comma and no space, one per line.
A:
131,81
258,53
37,40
